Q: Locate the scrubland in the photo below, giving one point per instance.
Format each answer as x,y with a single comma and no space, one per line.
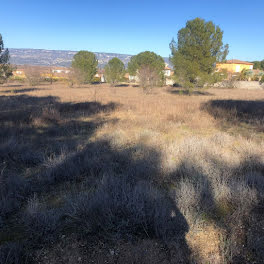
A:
101,174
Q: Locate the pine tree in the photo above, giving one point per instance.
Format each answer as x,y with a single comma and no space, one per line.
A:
114,71
85,65
149,67
5,67
198,48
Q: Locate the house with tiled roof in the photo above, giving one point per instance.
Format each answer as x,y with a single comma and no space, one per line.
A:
168,72
234,66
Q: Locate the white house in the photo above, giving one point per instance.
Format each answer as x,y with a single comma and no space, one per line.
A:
133,78
168,72
60,71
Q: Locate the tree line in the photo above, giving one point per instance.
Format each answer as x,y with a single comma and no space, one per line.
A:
198,48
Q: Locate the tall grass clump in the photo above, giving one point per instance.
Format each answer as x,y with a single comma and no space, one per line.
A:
12,253
215,181
14,154
13,191
41,223
121,209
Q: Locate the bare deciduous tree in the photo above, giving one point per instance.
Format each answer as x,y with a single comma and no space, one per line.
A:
148,77
75,77
33,75
51,75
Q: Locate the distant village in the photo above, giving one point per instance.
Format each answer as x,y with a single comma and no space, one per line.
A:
62,73
231,67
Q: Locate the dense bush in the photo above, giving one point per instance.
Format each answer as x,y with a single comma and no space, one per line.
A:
262,79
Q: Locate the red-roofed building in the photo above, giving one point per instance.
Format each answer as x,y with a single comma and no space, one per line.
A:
234,66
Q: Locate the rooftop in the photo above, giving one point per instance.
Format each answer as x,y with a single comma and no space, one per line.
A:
238,62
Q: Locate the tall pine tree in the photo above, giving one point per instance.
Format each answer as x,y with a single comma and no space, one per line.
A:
85,66
5,67
114,71
199,47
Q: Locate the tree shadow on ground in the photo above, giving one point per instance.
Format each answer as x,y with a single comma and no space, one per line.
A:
241,222
12,85
87,108
21,108
128,202
237,112
178,91
25,90
139,211
46,125
45,140
122,85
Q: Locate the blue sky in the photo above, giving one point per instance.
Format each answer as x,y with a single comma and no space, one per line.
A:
129,26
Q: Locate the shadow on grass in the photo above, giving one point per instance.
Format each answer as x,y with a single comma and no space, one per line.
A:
87,108
12,85
240,220
178,91
15,91
122,85
237,112
45,123
126,204
22,108
50,144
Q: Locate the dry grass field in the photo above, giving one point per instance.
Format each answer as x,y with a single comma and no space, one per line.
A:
101,174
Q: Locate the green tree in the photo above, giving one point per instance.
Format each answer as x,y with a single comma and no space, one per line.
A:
84,65
244,75
262,65
149,67
5,67
262,79
114,71
198,48
257,65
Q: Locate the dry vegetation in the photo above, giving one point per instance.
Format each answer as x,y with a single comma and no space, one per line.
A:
102,174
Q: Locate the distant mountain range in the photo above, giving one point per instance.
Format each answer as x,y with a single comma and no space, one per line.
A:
63,58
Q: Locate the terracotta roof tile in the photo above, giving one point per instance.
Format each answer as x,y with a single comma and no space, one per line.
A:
238,62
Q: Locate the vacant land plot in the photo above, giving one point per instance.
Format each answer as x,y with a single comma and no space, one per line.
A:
101,174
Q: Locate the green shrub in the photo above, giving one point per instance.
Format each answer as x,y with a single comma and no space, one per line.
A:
18,79
256,78
262,79
50,79
96,80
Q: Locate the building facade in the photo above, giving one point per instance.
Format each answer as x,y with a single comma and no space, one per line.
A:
234,66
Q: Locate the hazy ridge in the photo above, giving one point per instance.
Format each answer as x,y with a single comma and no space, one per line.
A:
62,58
